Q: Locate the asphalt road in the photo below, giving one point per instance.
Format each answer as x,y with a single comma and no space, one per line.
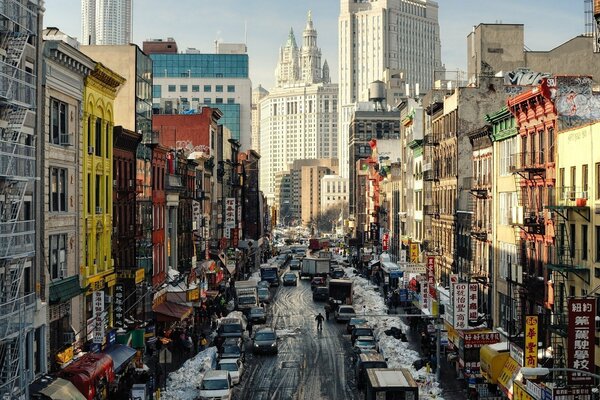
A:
310,365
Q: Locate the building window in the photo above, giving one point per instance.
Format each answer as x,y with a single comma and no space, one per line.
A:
219,88
230,101
584,242
230,88
219,100
58,256
573,178
172,88
58,189
183,88
584,178
207,88
597,243
98,133
207,100
195,88
58,122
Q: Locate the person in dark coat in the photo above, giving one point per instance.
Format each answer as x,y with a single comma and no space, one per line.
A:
319,318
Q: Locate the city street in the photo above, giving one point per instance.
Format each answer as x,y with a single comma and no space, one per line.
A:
310,364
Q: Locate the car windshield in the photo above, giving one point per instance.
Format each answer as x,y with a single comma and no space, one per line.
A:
231,350
264,336
246,300
356,321
363,332
263,292
321,290
231,328
347,310
228,366
365,343
215,384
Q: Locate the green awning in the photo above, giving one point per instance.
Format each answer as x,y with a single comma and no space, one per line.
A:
64,290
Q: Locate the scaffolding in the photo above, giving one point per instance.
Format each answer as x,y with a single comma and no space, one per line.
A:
18,28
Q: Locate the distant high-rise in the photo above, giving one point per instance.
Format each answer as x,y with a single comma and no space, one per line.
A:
379,35
106,22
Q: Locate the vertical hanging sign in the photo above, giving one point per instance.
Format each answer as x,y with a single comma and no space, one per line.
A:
230,212
98,304
119,305
460,293
582,331
431,277
473,301
531,341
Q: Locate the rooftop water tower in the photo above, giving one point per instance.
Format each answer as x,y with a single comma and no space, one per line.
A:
377,95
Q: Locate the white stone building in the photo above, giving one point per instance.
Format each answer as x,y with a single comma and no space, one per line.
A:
376,36
334,192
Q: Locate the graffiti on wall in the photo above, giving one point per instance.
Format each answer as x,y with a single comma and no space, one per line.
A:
524,77
575,103
188,147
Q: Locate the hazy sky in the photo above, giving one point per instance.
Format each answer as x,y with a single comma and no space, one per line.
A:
264,25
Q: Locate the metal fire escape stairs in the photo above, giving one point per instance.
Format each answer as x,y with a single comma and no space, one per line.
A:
18,20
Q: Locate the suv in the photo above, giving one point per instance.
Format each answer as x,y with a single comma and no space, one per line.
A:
365,361
344,313
361,330
216,384
229,328
320,293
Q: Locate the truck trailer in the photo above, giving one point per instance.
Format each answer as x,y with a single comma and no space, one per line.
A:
340,291
314,266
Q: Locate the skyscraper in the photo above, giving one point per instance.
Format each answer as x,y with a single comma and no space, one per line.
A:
379,35
298,117
106,22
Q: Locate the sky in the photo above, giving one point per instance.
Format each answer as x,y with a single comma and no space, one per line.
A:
264,25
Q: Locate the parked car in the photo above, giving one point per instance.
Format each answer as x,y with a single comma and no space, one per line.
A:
364,361
229,328
361,330
295,264
353,322
216,385
317,281
263,284
265,341
264,295
344,313
257,315
320,293
290,279
365,343
233,366
232,348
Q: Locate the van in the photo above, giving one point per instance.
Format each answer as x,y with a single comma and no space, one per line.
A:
365,361
229,328
216,384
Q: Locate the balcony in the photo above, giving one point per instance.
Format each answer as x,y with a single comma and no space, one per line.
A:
431,209
430,176
531,162
480,231
17,239
531,221
480,186
430,139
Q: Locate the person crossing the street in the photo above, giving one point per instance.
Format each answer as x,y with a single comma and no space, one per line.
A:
319,318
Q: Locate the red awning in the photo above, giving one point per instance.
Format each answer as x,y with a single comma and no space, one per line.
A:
170,312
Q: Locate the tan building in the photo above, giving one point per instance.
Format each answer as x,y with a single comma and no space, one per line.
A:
257,95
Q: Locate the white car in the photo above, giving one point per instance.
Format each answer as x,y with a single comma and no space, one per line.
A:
234,366
344,313
216,385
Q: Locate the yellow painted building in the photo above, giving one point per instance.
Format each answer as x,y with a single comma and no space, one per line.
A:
577,208
97,269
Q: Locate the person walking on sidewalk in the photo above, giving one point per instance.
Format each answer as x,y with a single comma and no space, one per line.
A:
319,318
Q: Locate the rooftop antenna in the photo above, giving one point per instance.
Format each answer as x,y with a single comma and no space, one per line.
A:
216,46
246,33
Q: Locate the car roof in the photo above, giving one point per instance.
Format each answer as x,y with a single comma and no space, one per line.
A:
232,341
363,326
265,330
216,374
229,360
366,338
370,357
347,307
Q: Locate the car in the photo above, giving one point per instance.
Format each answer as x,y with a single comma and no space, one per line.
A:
289,279
216,385
257,315
229,328
265,341
317,281
364,361
353,322
365,343
264,295
361,330
263,284
295,264
320,293
337,273
344,313
232,348
235,367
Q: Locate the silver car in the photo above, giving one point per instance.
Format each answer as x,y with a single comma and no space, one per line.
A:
344,313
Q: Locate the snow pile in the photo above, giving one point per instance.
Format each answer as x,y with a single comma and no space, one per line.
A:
183,384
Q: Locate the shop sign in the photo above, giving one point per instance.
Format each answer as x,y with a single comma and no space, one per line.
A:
473,301
453,280
402,256
506,378
460,293
119,304
569,393
582,313
516,353
139,275
98,308
431,276
411,268
531,341
385,241
534,390
235,237
519,392
424,292
414,252
229,213
479,339
65,356
193,294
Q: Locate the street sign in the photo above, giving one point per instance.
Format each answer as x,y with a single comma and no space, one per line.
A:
230,212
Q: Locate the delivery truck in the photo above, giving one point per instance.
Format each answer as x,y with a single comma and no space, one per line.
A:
246,295
270,273
390,384
314,266
340,291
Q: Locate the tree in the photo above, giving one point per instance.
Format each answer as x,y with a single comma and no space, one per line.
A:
327,220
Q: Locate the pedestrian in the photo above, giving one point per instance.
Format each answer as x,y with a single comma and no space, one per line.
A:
327,311
203,342
249,327
319,318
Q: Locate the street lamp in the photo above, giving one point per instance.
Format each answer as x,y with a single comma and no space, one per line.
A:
527,371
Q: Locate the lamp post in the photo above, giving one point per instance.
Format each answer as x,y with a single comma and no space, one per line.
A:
527,371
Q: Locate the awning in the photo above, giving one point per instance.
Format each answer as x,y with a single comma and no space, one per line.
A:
121,355
492,359
507,376
64,290
62,389
169,312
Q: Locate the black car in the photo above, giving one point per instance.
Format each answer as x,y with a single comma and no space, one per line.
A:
232,348
265,341
295,264
290,279
321,293
355,321
257,315
361,330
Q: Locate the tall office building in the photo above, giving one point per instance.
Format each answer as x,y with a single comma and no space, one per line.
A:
184,82
379,35
106,22
298,117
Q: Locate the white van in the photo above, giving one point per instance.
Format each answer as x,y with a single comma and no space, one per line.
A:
216,384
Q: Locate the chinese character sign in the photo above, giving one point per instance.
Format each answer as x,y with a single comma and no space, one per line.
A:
582,314
385,242
460,293
531,341
473,302
119,305
414,252
98,309
230,212
431,276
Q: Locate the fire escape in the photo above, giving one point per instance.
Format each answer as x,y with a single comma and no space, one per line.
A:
567,262
431,210
18,24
